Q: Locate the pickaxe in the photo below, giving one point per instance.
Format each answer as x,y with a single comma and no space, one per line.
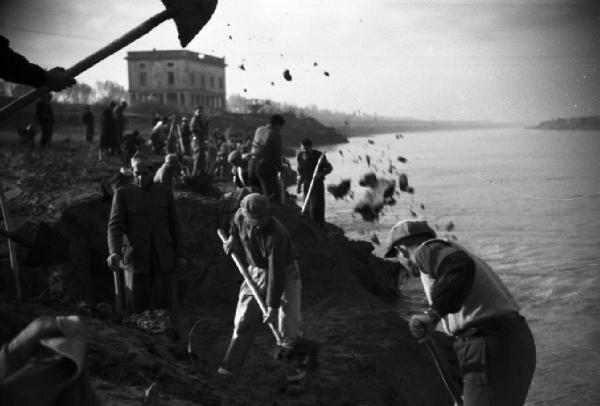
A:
190,17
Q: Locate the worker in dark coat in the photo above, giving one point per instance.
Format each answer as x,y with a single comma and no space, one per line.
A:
16,68
186,136
120,120
144,237
199,129
108,134
307,162
44,118
266,159
493,343
88,120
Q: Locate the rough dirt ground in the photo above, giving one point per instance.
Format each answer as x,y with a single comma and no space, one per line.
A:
367,357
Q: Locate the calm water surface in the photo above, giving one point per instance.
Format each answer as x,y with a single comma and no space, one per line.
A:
528,201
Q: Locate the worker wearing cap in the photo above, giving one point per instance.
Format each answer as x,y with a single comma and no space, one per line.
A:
271,257
169,171
239,168
494,345
152,251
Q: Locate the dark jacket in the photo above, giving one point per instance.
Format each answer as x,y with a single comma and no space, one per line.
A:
267,146
270,249
307,162
148,218
16,68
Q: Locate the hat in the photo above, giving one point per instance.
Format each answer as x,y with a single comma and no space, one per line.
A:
255,208
234,156
140,159
405,229
171,159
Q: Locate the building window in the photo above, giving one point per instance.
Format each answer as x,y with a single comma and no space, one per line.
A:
192,79
202,80
212,82
142,65
170,64
171,78
142,78
181,99
221,83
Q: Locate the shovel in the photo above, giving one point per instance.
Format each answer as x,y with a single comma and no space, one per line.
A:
252,286
312,182
190,17
443,368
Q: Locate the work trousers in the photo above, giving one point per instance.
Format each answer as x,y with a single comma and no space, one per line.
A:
46,138
316,204
263,174
497,367
248,316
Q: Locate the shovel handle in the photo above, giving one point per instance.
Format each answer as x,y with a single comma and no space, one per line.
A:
91,60
252,286
312,182
442,366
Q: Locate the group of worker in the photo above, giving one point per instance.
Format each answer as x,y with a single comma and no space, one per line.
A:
466,298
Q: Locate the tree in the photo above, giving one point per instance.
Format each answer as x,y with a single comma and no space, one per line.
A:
81,93
109,90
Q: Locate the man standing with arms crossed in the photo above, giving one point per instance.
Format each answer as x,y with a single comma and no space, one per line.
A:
494,345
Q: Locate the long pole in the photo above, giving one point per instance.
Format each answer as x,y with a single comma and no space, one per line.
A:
442,366
312,182
14,262
91,60
252,286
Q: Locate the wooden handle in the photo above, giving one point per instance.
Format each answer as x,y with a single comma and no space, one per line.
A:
443,369
312,182
90,61
252,286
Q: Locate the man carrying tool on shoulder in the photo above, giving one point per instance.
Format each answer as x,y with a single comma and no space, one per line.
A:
273,268
494,344
308,159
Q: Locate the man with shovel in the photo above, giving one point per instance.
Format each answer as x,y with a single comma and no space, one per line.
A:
494,345
152,252
271,257
313,166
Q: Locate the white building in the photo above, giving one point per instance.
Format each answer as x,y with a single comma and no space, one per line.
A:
182,78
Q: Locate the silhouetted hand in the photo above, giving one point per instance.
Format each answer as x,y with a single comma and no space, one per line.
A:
271,316
421,325
58,79
113,261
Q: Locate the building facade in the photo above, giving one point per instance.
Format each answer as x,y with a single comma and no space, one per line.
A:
181,78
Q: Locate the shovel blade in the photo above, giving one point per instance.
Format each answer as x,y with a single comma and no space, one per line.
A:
190,16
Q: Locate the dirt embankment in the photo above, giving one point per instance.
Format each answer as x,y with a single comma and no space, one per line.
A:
368,356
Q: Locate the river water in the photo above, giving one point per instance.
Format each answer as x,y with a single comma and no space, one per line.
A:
527,201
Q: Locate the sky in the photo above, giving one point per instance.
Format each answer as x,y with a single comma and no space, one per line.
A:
501,60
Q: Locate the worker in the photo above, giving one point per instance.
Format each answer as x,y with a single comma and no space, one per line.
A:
44,119
265,158
307,160
493,342
266,245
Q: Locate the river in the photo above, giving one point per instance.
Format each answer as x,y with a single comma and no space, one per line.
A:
527,201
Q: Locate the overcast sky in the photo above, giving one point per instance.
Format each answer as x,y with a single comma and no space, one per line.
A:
502,60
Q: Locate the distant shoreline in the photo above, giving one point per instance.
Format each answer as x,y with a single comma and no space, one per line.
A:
574,123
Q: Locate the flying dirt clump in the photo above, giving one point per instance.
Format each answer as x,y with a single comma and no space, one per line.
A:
380,193
340,190
287,75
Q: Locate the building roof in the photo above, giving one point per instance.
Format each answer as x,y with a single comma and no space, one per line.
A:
176,54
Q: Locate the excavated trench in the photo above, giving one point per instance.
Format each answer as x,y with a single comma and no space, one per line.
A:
368,357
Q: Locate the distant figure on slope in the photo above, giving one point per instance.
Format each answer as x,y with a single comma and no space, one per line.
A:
108,132
199,128
268,249
88,121
120,120
266,158
44,118
307,160
494,345
239,168
169,171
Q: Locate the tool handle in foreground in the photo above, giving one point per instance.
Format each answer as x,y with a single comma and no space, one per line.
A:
118,281
252,286
90,61
312,182
14,262
442,367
